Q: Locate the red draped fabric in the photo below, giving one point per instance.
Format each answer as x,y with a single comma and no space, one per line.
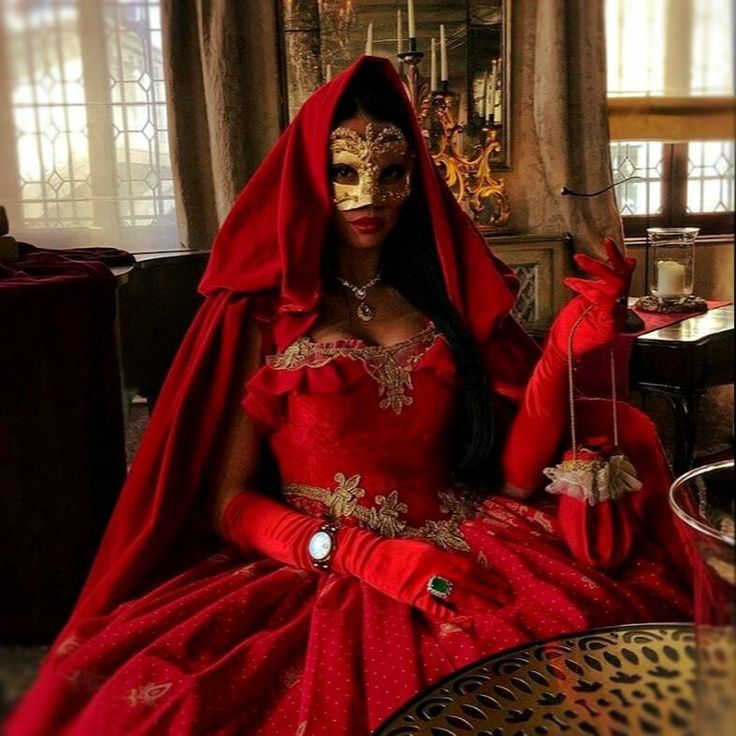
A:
62,450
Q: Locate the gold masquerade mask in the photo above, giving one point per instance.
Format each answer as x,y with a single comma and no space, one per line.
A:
375,170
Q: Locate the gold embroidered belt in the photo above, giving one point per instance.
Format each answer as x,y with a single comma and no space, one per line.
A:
385,515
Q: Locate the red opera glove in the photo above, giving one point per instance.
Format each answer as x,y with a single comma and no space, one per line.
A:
400,568
257,523
596,316
601,300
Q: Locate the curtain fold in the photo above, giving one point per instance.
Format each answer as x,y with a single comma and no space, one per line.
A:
221,65
570,114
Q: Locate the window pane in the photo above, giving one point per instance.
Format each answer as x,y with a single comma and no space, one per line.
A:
656,47
710,176
47,93
641,159
144,178
712,50
88,119
635,47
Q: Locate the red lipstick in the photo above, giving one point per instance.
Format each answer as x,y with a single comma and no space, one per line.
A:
369,225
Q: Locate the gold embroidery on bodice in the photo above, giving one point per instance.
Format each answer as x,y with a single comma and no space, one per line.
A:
390,366
384,516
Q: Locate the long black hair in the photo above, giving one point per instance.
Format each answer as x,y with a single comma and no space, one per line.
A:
410,263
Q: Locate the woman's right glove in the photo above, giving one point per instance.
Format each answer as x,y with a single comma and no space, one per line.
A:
400,568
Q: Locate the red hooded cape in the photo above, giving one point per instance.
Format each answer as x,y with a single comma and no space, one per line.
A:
271,246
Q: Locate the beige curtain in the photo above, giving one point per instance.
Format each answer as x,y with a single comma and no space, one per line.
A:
571,117
224,103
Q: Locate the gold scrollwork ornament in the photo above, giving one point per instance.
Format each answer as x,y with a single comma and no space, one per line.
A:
470,177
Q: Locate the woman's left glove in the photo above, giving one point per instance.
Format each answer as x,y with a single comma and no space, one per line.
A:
593,319
598,313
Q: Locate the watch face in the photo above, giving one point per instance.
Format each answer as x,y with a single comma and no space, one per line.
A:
320,546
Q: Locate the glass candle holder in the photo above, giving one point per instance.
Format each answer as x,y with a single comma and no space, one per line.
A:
671,260
703,500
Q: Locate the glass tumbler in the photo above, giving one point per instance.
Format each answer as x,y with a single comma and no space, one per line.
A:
703,500
671,260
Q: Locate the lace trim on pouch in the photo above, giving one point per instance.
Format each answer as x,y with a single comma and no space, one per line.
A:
385,515
390,366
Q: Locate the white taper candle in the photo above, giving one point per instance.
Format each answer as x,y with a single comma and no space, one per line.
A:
484,96
443,54
491,97
398,32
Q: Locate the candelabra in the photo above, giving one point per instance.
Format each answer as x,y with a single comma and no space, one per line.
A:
469,177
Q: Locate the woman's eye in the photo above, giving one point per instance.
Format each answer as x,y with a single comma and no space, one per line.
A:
393,173
343,174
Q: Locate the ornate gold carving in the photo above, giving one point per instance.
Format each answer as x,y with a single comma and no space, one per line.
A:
384,516
390,366
469,176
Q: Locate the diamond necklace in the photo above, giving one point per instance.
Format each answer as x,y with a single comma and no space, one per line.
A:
365,311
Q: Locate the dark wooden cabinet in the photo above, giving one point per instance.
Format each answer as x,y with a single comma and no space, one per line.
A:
157,301
540,262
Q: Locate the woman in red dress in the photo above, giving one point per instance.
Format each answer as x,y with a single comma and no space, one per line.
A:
372,518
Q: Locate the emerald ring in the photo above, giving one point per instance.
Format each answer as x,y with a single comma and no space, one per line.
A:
439,587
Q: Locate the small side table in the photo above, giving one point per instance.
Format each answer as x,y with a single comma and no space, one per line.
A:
681,362
635,679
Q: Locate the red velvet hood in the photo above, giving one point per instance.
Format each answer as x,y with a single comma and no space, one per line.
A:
274,234
271,245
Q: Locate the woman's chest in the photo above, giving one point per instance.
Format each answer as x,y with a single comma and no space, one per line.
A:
396,408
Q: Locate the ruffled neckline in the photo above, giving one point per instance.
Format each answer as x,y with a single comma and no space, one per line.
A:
360,344
307,366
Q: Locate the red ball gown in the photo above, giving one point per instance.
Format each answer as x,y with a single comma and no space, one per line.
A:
177,633
237,645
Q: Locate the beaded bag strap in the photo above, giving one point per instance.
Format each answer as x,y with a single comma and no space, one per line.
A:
571,384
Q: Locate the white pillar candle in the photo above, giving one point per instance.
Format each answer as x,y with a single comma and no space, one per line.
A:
398,32
670,278
328,73
410,18
433,65
443,54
